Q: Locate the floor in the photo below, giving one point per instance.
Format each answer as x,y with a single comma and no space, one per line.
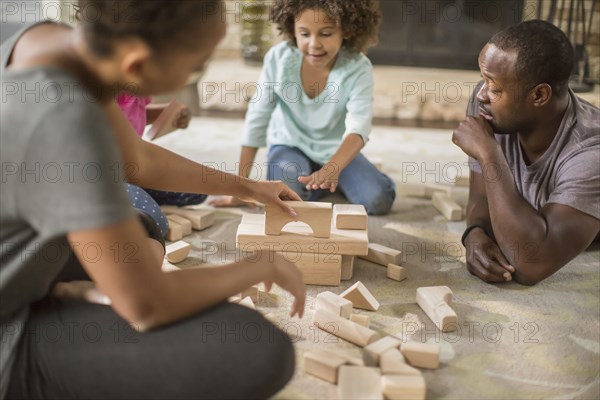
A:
513,342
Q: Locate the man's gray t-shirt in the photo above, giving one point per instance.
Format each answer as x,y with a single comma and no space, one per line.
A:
61,172
568,172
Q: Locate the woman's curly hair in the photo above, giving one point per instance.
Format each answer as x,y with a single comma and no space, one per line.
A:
162,24
359,19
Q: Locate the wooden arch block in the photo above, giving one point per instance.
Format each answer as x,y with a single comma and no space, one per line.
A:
314,214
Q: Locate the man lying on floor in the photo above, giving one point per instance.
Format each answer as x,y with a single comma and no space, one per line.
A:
534,201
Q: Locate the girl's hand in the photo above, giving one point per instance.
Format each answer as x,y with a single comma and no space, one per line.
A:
182,121
325,178
287,276
80,291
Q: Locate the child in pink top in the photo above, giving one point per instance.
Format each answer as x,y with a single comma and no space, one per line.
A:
140,113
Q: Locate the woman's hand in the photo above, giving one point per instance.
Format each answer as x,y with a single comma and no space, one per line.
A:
286,275
271,193
80,291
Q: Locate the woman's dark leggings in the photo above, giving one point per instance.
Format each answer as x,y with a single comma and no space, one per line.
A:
76,350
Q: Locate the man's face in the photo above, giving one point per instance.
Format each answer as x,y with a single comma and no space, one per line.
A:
502,97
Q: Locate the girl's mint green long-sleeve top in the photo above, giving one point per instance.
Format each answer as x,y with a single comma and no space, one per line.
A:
281,113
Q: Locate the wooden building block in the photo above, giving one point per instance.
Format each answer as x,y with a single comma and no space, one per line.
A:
421,355
360,297
298,237
178,251
396,272
343,328
317,269
333,303
175,231
347,267
361,319
247,302
382,255
323,364
403,387
315,214
350,216
392,362
447,207
373,351
200,218
359,383
436,302
165,123
186,224
432,188
251,292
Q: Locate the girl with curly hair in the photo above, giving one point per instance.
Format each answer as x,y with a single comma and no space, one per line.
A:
313,106
116,326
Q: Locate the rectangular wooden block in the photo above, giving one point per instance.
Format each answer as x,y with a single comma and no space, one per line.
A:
373,351
359,383
177,252
382,255
350,216
421,355
347,267
323,364
396,272
361,319
343,328
317,269
403,387
175,231
298,237
200,218
361,297
436,302
186,224
392,362
315,214
447,207
333,303
432,188
165,123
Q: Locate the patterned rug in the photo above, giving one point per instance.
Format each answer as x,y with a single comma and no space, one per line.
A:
514,341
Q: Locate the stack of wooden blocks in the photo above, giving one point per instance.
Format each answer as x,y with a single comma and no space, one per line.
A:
322,241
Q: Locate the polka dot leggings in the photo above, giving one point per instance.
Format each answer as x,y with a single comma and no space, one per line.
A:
143,202
149,201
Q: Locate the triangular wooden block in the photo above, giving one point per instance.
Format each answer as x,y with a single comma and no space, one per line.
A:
360,297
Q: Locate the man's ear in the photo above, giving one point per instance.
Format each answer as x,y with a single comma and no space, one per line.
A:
540,95
134,61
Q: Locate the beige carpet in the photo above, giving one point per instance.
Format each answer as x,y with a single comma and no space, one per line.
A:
513,342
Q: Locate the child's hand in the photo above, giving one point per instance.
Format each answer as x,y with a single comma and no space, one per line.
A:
231,201
182,121
325,178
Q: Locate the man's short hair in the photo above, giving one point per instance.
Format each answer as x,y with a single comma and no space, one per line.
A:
544,53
